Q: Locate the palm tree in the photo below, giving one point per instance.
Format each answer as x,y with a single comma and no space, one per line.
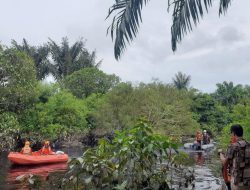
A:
181,81
127,18
228,94
40,56
68,59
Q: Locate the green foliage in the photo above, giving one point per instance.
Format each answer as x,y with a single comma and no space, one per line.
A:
45,91
181,81
209,113
166,108
68,59
84,82
134,160
228,94
54,131
61,116
125,23
127,17
93,102
240,115
17,80
40,56
65,58
29,118
62,113
9,128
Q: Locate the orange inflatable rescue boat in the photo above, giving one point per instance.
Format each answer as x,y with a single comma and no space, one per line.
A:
35,159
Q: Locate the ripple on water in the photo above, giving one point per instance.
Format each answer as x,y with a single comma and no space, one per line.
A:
204,179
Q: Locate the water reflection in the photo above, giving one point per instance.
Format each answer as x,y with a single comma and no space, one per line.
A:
199,159
205,178
41,170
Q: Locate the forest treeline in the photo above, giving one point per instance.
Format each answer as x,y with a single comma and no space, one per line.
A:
85,101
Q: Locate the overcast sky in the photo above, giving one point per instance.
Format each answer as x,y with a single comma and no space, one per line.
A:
217,50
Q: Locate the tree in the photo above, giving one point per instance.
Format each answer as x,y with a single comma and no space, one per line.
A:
84,82
165,107
228,94
135,159
9,129
181,80
63,115
209,113
40,56
240,115
17,80
68,59
127,18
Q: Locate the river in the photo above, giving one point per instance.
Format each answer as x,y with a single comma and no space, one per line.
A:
206,166
207,169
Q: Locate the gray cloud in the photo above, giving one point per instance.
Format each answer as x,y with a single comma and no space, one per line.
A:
230,34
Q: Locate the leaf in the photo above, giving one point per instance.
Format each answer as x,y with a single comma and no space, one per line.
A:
150,147
125,23
80,159
121,186
88,180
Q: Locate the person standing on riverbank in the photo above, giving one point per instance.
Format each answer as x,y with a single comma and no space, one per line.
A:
238,159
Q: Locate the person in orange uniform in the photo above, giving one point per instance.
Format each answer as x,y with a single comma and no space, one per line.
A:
26,149
46,149
199,139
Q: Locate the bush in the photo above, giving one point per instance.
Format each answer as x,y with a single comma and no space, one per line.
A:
9,129
86,81
240,115
17,81
133,160
165,107
62,116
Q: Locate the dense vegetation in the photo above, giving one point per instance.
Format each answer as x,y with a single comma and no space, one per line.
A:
84,102
135,159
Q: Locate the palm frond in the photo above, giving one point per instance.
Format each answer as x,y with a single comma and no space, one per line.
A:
224,4
125,23
77,48
187,12
181,80
184,14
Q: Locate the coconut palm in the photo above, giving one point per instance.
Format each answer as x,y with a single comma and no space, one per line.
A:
68,59
228,94
39,54
127,18
181,80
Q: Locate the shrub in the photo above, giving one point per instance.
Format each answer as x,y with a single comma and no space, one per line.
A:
9,129
135,159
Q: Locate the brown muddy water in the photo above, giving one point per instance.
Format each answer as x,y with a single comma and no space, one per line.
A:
9,173
207,169
206,166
